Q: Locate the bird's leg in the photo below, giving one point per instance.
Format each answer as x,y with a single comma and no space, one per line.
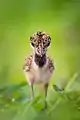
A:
32,91
45,90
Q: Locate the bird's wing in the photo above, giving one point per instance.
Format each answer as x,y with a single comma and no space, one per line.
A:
27,63
50,65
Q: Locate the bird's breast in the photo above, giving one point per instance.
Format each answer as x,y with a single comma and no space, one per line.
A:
40,74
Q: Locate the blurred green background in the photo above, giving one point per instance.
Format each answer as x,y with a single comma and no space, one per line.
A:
21,18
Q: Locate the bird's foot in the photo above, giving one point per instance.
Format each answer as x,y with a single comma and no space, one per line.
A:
31,98
44,107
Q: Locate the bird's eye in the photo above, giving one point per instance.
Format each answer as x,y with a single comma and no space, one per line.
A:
48,44
32,44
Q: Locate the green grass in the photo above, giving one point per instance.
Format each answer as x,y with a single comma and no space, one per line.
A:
62,104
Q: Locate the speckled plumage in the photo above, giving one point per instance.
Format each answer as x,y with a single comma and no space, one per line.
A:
36,74
39,67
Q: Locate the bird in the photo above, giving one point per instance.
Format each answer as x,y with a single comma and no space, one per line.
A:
38,67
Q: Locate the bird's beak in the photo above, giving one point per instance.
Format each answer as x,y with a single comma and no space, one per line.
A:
41,51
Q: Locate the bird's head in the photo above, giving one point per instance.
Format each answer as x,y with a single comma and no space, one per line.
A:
40,41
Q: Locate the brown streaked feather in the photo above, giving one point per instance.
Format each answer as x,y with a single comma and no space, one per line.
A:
50,65
27,63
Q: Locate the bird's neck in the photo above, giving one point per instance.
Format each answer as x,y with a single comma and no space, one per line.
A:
40,61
